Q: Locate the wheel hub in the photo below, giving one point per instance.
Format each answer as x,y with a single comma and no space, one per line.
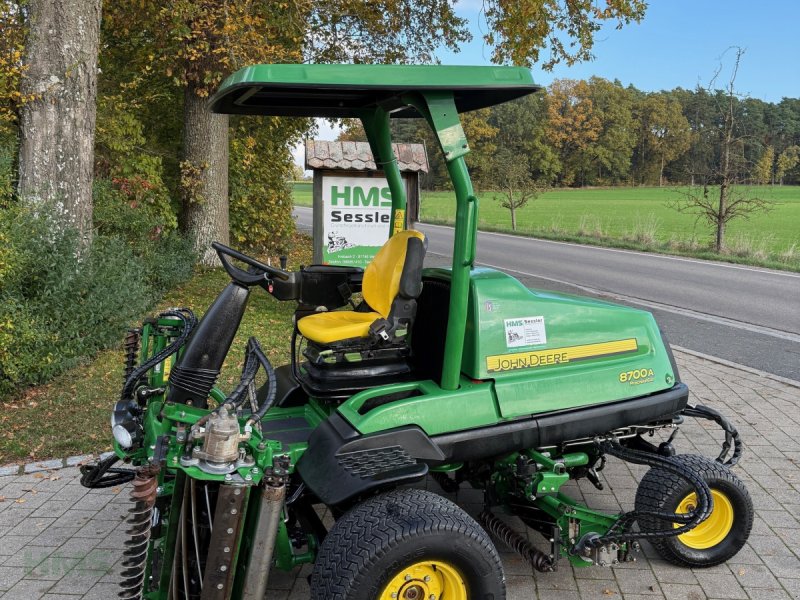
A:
714,529
426,580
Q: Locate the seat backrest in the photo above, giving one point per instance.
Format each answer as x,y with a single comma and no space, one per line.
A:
382,277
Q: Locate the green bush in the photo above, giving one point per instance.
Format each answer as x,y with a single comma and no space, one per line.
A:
166,255
56,307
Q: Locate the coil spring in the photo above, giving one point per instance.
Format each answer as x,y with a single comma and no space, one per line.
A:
538,559
143,494
132,340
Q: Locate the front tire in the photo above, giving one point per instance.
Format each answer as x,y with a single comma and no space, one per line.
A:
716,539
407,545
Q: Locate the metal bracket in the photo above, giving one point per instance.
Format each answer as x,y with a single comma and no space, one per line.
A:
223,547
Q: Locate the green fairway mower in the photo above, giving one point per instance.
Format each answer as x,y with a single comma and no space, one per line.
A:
460,374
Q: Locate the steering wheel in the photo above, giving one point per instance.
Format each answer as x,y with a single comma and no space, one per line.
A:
263,272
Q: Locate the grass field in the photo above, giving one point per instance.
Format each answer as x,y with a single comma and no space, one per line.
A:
630,216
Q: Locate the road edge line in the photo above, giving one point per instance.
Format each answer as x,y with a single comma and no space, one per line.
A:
729,363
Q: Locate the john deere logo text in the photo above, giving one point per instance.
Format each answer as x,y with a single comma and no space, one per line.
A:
540,358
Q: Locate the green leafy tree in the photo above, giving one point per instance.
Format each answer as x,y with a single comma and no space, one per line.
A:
510,178
522,128
610,154
260,198
664,135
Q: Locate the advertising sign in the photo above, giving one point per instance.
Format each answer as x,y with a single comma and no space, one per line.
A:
357,212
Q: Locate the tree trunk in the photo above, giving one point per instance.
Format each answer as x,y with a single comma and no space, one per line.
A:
204,177
725,181
513,217
661,173
56,154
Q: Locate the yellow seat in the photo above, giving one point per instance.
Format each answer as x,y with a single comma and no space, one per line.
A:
380,286
328,327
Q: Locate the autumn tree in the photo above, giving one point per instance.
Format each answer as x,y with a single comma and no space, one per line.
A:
787,161
572,126
197,42
762,172
57,118
519,30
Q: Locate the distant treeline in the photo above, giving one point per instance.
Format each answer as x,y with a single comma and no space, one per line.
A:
598,132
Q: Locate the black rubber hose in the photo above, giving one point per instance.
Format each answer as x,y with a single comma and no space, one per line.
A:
273,382
667,463
732,437
189,322
102,475
254,359
249,370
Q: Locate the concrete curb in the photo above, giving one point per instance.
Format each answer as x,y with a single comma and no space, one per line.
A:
733,365
50,465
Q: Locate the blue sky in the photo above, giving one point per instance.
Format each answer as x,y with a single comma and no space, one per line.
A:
679,43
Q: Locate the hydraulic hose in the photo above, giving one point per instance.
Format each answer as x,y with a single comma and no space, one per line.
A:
189,322
732,437
254,358
104,474
688,521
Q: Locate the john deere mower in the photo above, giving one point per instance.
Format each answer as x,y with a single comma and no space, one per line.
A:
461,374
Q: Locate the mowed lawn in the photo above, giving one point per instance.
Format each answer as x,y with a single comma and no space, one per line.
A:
620,213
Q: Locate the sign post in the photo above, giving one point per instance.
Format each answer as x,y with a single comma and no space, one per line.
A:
352,201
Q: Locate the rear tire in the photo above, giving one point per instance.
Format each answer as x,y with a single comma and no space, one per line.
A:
716,539
409,542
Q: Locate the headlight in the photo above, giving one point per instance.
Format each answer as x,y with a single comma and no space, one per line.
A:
124,425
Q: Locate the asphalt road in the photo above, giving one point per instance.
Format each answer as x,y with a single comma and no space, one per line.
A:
743,314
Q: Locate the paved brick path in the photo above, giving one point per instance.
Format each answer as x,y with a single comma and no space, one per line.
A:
59,541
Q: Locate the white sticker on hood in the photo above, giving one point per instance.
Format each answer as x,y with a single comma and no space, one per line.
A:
525,331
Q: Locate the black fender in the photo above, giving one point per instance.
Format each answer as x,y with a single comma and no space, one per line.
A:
341,464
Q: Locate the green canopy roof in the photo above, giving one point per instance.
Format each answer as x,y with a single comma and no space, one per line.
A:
345,90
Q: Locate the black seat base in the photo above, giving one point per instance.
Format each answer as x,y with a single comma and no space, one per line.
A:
336,373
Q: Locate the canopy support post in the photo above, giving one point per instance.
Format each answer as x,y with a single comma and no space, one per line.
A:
439,109
379,134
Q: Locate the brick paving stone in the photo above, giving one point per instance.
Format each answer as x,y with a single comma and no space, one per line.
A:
75,537
9,576
679,591
715,583
29,589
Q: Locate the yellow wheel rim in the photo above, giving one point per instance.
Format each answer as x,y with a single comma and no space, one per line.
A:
714,529
426,580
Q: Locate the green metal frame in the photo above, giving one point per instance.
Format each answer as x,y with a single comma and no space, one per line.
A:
374,94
